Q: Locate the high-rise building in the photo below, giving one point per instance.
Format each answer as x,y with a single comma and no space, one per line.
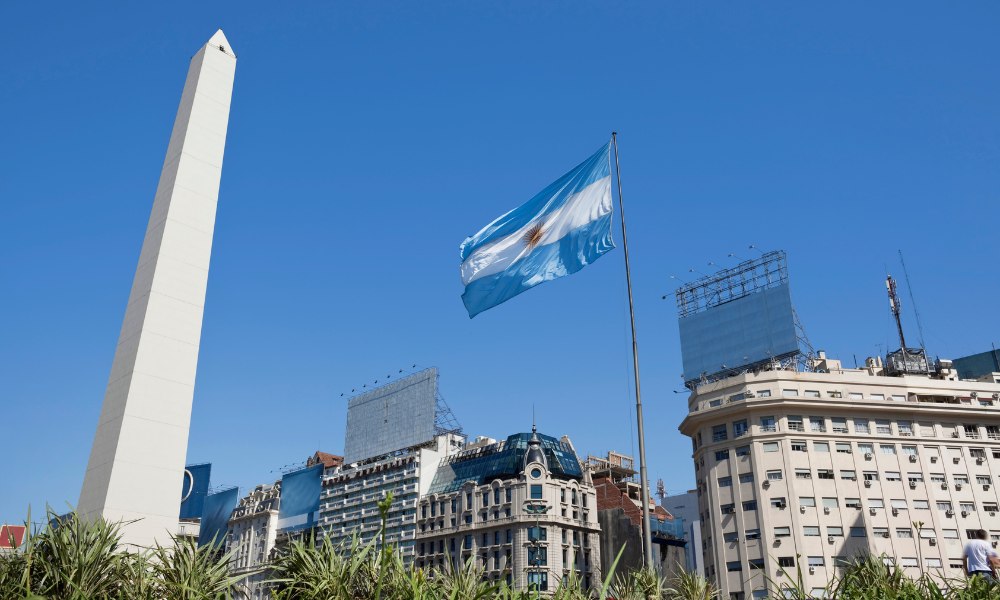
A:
351,494
136,466
524,509
685,507
253,529
807,468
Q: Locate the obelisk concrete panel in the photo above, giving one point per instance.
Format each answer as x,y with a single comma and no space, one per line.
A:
136,465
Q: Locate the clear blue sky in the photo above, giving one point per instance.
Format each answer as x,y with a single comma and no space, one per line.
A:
367,140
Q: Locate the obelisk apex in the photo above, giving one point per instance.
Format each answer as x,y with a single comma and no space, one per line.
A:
136,465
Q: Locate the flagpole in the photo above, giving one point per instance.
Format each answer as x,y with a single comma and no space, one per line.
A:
647,537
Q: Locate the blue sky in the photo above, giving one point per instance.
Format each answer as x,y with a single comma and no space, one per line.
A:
367,140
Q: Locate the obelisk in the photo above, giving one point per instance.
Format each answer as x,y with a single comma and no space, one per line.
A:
136,467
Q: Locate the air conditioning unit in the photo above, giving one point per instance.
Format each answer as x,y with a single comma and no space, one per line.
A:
782,506
974,394
933,459
777,542
958,486
956,460
993,513
994,543
949,513
913,485
965,513
979,461
812,570
886,534
913,458
749,394
766,484
869,456
829,539
872,511
933,542
895,512
802,509
954,434
944,486
868,483
826,510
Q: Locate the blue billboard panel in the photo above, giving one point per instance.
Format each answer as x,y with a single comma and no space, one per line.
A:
215,517
300,492
752,329
196,479
391,417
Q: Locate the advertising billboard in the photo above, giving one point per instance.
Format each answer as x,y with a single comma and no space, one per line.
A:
215,517
300,492
196,480
391,417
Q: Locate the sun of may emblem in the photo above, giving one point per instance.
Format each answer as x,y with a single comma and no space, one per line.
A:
532,236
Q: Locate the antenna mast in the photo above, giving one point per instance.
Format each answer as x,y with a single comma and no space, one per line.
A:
913,301
890,285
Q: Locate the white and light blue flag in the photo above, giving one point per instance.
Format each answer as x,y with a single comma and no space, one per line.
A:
564,228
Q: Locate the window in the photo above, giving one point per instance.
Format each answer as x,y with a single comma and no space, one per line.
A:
961,478
876,503
739,428
993,432
782,531
908,562
856,396
909,450
811,394
777,503
807,501
795,423
859,532
949,534
943,505
880,532
786,561
815,561
817,424
767,424
721,455
904,428
746,478
883,427
719,433
835,531
830,502
933,563
838,424
803,474
870,475
927,430
852,502
538,580
733,566
877,397
743,451
887,448
971,431
810,530
770,446
861,426
905,533
730,537
849,475
537,534
750,505
821,446
866,448
921,505
537,556
756,563
728,509
898,503
967,507
824,473
763,393
843,447
725,481
927,533
892,476
774,475
977,453
753,534
789,393
798,446
536,491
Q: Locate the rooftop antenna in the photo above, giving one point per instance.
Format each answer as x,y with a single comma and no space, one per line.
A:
909,288
661,490
894,305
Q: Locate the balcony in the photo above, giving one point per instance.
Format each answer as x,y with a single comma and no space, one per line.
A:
795,426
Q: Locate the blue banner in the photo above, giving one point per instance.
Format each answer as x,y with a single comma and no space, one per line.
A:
300,498
196,480
215,517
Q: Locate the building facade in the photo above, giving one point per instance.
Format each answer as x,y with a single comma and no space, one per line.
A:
806,469
523,509
685,506
253,529
351,493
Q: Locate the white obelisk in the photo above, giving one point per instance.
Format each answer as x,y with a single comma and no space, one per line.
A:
136,466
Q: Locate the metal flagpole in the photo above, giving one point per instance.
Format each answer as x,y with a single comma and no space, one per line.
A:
647,536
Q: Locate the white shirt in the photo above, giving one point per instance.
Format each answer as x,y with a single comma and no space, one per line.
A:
979,553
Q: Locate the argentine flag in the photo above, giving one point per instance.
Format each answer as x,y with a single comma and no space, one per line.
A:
564,228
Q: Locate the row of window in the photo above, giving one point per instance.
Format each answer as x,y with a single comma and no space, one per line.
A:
913,477
896,504
840,561
862,426
875,396
956,454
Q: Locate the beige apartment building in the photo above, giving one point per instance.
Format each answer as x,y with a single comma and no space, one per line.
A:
808,468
